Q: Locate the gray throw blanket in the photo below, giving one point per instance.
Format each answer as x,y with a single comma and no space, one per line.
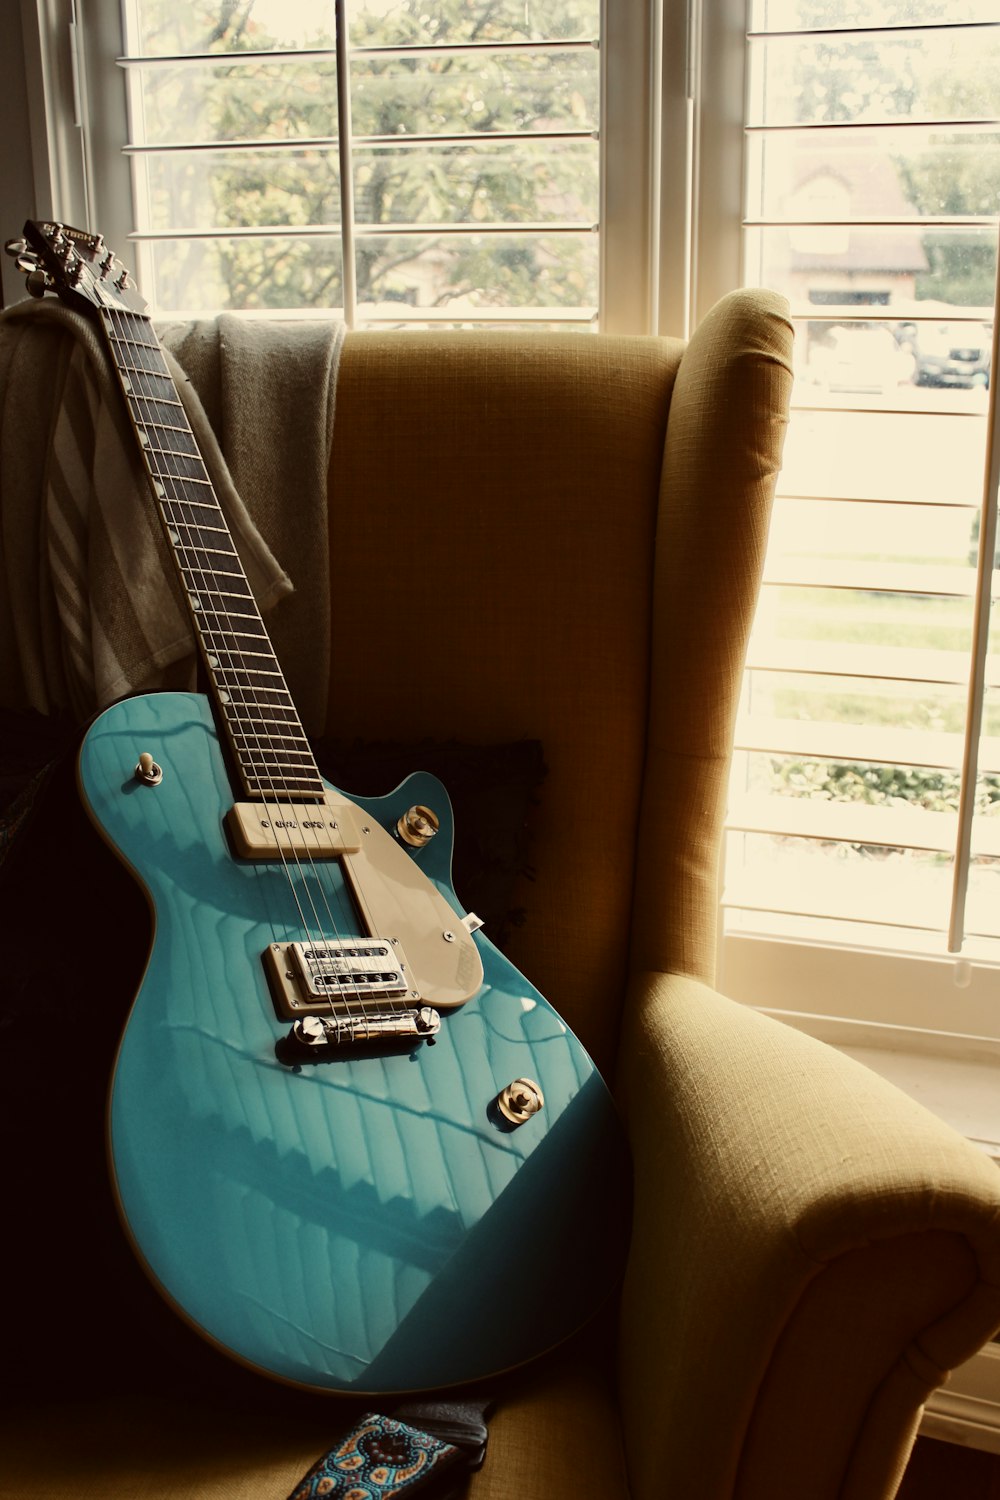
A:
90,606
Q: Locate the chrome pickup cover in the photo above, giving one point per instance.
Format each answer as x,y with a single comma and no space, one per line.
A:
352,968
338,974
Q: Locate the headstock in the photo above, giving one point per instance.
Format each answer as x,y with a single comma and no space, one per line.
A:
76,265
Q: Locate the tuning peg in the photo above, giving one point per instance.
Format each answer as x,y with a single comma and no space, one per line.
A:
15,247
38,283
28,262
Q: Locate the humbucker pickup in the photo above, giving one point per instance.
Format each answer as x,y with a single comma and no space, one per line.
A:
335,975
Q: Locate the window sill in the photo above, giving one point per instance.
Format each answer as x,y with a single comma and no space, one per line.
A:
955,1077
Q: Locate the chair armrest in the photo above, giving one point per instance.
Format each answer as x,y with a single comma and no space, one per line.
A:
812,1252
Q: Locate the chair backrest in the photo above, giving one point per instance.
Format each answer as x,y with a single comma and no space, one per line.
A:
516,525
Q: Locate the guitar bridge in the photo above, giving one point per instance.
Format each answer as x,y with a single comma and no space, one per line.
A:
321,1038
334,977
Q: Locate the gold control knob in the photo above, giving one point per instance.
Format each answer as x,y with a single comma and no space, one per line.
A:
147,771
520,1100
417,826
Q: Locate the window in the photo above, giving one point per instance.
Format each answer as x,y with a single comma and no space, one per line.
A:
483,161
866,800
392,163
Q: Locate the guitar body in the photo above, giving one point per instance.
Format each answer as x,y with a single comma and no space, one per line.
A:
350,1144
364,1223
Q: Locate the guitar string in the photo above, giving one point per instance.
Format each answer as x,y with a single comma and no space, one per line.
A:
176,526
356,891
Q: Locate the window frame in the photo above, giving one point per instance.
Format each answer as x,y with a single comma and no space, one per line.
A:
671,245
59,49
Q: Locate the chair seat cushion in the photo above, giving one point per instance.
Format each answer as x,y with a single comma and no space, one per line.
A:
554,1436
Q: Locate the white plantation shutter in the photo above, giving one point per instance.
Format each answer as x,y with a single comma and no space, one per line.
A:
395,167
512,172
865,805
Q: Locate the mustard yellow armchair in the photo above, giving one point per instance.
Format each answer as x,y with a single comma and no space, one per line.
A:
560,538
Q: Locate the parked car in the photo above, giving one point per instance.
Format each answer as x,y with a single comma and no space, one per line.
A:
861,358
953,354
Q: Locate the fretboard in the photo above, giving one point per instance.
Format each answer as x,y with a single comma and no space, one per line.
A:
269,746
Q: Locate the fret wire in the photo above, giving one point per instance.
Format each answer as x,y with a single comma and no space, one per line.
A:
160,449
196,567
174,410
156,421
303,773
190,479
274,713
259,687
229,614
167,458
195,504
264,656
186,522
166,401
222,593
191,452
235,635
307,792
251,709
266,713
224,647
303,778
299,733
303,770
249,687
300,737
275,758
280,723
135,370
157,365
251,671
177,521
149,383
263,732
302,748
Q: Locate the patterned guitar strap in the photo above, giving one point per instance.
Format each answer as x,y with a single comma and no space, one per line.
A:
427,1449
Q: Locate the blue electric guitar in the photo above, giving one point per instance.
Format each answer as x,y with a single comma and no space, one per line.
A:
351,1145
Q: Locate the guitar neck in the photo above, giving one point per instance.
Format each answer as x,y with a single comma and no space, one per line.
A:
270,750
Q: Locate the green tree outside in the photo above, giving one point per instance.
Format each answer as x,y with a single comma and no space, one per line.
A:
281,184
